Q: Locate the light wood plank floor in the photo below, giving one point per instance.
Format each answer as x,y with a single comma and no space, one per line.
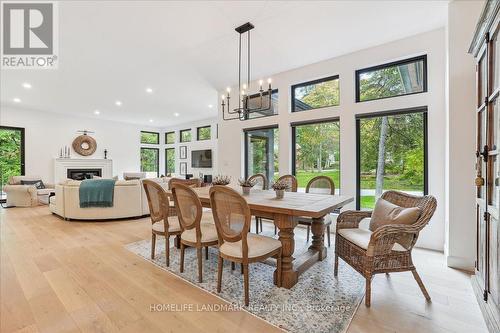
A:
59,276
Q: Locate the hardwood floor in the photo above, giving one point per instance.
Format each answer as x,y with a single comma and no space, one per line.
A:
59,276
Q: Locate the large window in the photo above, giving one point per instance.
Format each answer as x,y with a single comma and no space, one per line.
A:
261,152
316,151
315,94
169,161
150,161
185,135
391,154
254,101
394,79
11,153
170,138
150,137
203,133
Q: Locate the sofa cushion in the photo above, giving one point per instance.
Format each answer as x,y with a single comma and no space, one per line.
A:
386,212
16,180
44,191
258,245
208,233
361,238
38,183
173,225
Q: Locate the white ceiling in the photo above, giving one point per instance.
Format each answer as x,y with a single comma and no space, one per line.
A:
186,51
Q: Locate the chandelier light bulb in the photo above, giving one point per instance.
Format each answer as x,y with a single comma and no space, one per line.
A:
244,86
223,97
260,82
228,90
269,80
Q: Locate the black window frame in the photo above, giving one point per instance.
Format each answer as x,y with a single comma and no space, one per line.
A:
294,138
166,136
308,83
274,91
157,160
198,133
185,130
360,116
392,64
166,164
148,143
250,129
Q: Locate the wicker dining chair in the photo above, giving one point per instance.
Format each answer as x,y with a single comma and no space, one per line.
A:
194,233
232,219
194,182
292,187
387,248
163,223
319,185
263,184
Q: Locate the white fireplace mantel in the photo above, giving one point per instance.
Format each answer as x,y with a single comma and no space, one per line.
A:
61,166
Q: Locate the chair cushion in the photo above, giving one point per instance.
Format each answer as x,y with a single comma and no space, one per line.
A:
173,225
45,191
361,238
258,245
386,212
208,234
37,183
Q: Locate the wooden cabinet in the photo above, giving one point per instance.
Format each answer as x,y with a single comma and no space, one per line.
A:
485,48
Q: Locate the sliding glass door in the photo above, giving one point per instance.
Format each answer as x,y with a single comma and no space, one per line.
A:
316,152
11,153
261,152
169,161
391,154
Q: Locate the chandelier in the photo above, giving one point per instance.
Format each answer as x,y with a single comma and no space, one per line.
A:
263,101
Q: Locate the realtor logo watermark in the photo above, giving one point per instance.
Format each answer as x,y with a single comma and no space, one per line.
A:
29,35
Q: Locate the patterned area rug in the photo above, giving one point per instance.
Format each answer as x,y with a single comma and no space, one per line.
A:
317,303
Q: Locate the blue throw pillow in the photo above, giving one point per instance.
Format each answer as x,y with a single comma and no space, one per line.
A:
38,183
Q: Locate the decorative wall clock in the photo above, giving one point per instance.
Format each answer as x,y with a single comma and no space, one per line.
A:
84,144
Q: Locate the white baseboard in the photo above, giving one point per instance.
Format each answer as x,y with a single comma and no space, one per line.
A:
465,264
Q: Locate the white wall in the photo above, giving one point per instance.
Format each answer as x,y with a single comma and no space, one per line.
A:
47,132
431,43
194,145
461,97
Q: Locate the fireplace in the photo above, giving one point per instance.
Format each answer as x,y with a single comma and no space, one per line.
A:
81,174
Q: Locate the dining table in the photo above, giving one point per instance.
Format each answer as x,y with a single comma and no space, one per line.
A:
284,212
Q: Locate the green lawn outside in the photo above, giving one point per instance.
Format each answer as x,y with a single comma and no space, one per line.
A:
367,202
394,182
303,177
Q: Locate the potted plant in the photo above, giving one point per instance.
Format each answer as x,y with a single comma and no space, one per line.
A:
246,185
221,180
280,187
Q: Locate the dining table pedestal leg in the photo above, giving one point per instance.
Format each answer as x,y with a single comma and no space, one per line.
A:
318,239
289,276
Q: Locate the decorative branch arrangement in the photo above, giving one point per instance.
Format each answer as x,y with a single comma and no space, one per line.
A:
246,182
280,185
221,180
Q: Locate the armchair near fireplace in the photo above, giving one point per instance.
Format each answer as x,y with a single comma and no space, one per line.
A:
19,195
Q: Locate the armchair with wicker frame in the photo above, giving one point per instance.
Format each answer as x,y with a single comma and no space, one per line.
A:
386,249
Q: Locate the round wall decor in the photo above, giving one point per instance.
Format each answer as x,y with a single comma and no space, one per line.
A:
84,145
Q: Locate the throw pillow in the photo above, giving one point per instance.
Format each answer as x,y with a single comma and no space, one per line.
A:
38,183
386,212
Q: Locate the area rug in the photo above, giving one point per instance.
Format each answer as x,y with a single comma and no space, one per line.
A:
317,303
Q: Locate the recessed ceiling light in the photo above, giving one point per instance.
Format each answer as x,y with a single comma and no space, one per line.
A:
149,90
150,120
17,100
27,85
118,103
97,112
210,106
176,114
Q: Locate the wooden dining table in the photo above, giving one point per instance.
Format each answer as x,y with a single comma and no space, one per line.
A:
284,212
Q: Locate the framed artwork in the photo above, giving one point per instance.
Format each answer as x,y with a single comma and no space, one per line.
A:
183,152
183,168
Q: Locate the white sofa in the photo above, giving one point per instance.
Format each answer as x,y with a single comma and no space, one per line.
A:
129,200
26,195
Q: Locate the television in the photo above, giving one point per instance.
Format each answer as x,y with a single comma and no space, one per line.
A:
201,158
